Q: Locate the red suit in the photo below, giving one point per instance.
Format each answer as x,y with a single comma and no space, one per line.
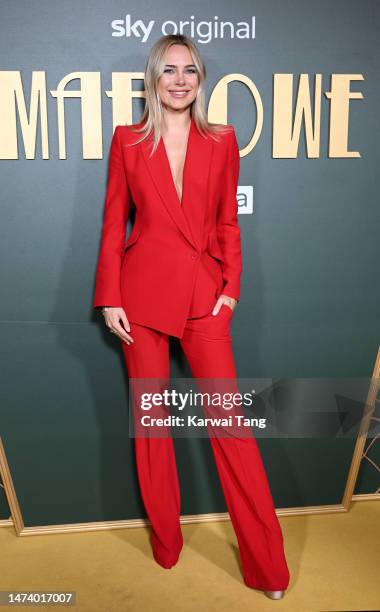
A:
185,253
178,259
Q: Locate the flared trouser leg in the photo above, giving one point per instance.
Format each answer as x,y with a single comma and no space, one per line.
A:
207,344
148,358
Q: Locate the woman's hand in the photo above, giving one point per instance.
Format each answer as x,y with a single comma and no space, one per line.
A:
224,299
112,316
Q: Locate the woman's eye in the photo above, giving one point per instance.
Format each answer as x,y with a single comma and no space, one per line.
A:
191,70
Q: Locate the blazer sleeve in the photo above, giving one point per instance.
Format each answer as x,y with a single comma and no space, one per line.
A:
228,231
115,217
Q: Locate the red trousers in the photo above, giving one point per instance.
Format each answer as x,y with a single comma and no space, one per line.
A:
207,345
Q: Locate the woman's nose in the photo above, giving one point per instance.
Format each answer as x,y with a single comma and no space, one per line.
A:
180,78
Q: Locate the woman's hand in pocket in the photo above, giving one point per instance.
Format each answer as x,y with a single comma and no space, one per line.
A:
224,299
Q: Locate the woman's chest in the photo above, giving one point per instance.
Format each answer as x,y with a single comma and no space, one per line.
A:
174,173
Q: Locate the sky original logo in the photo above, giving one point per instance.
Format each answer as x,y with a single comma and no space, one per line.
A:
202,31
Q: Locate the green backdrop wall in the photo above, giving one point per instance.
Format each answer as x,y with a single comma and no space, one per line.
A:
310,297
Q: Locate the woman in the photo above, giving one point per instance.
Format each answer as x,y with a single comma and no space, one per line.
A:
179,274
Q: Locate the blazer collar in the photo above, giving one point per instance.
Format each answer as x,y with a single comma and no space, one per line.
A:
188,216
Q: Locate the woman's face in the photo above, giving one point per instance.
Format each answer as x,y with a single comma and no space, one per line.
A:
178,84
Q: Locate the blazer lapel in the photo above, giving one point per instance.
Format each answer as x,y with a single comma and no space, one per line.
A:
195,183
188,216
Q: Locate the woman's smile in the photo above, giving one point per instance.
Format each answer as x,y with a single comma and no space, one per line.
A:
178,94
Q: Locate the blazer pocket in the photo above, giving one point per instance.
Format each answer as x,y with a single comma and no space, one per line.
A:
213,247
132,238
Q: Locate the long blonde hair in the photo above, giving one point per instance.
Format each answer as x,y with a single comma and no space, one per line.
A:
153,113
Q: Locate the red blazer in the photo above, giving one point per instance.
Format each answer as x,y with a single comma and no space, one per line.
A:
178,257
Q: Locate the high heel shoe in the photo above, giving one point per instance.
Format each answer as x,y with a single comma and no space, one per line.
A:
275,594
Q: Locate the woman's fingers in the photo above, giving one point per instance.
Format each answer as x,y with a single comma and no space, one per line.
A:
120,331
217,307
112,319
224,299
125,321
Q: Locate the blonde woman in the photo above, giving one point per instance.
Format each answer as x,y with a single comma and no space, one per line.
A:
178,274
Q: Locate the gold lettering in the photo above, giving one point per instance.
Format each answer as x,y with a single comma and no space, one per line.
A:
122,95
286,127
286,133
91,115
218,106
12,104
339,97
